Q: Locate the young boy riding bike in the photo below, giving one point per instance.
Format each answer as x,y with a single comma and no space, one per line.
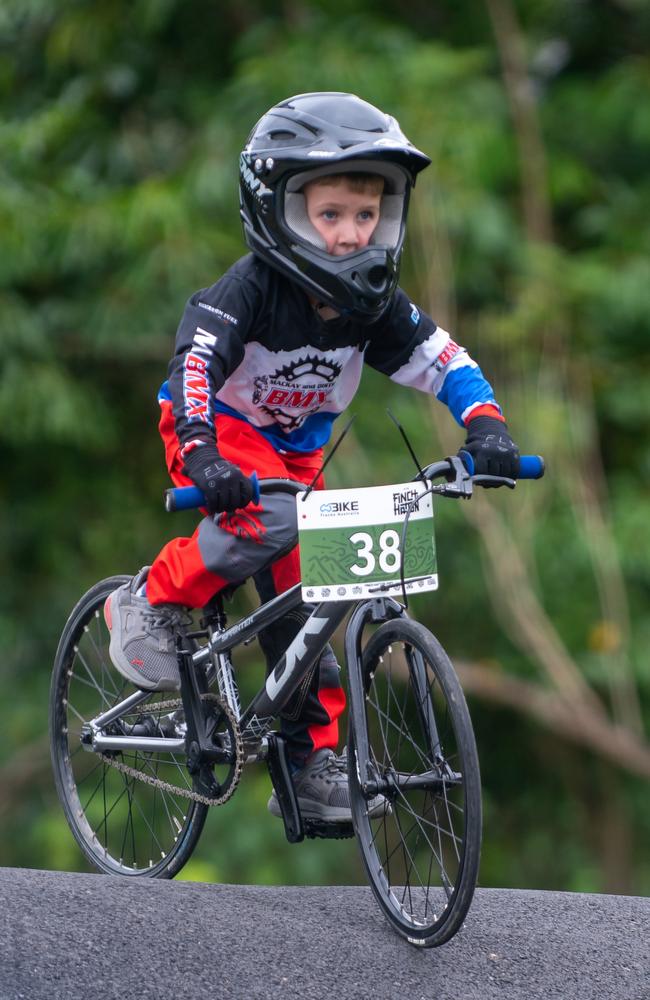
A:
265,361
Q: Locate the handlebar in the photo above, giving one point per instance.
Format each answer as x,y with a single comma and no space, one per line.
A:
530,467
190,497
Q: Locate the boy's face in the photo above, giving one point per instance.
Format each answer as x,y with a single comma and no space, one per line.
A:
346,219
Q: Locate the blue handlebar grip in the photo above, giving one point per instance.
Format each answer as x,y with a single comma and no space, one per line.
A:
190,497
530,466
183,498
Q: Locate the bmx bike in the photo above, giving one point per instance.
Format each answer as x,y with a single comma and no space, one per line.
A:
136,771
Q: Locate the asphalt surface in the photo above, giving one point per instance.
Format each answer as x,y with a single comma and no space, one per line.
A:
98,937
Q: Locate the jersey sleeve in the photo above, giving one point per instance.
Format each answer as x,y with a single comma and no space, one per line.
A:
209,346
412,350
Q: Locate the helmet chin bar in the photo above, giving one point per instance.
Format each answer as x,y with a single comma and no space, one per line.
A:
360,283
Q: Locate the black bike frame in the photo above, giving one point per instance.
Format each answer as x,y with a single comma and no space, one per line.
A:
303,652
293,666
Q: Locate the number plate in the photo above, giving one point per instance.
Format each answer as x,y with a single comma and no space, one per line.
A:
350,542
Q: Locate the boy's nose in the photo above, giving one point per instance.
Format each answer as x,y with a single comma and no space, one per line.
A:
348,233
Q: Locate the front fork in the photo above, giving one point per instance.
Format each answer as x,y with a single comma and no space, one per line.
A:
368,612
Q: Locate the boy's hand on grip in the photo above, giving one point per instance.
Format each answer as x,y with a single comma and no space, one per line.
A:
493,450
223,484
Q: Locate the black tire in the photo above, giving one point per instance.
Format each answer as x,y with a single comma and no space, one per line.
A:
421,854
122,825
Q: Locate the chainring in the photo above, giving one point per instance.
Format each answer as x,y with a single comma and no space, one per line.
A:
228,787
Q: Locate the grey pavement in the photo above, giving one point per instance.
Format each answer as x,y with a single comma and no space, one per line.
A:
99,937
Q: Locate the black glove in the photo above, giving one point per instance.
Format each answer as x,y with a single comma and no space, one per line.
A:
223,484
493,450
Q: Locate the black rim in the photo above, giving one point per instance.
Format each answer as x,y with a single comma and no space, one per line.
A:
421,854
122,825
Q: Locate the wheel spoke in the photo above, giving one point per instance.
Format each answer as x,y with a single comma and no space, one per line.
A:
144,818
164,793
386,721
93,681
128,824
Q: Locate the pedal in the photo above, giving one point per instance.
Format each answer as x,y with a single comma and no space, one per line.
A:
280,772
315,828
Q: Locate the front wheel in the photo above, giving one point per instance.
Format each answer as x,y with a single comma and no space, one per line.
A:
421,853
124,826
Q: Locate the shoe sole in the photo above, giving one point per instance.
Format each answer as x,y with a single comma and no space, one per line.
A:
121,664
310,810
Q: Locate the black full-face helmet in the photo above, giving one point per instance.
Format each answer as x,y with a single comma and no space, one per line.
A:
316,135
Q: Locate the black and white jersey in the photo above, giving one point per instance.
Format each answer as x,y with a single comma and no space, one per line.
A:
253,346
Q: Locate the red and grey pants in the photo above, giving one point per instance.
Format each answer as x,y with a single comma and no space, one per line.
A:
258,542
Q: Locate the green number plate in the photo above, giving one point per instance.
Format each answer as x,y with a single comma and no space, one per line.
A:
350,542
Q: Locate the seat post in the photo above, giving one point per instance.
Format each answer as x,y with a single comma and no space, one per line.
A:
214,615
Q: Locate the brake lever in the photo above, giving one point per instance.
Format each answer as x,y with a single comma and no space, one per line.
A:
495,481
461,485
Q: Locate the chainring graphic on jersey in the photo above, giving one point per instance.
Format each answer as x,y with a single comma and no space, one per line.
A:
296,390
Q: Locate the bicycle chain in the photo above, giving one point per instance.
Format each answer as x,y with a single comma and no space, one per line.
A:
188,793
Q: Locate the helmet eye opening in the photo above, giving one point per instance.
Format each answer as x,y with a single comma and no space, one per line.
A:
389,232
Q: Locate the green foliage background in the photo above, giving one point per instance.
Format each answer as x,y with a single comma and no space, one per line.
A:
120,125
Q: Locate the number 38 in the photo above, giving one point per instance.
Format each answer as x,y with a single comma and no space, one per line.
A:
389,553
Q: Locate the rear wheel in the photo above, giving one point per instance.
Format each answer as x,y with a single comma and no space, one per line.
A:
123,825
422,852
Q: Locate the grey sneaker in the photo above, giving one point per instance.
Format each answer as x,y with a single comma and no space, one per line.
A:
322,790
143,646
